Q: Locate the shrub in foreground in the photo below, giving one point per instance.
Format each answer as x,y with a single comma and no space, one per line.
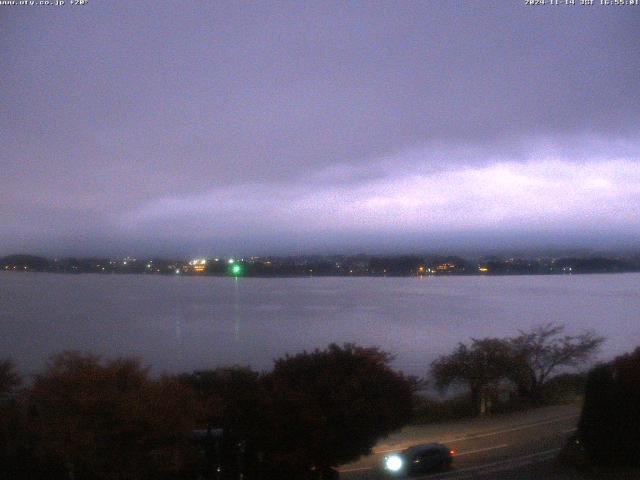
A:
434,410
609,426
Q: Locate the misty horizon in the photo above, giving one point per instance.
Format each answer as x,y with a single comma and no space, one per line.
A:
406,243
506,248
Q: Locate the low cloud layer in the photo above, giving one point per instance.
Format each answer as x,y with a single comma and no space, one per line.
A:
546,195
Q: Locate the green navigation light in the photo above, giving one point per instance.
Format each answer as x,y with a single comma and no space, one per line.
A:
236,270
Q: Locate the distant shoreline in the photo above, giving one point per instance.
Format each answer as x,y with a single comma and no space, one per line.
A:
266,277
327,266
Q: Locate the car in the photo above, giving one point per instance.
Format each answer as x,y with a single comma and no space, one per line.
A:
418,459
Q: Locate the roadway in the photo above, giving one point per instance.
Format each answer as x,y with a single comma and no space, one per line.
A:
496,447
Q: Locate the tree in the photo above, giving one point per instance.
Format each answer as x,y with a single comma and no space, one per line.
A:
229,397
609,425
478,366
331,406
105,420
11,438
9,378
543,350
232,399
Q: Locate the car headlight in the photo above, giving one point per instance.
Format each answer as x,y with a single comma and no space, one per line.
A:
393,463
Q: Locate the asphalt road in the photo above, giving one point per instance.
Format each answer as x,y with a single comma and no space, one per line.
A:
500,447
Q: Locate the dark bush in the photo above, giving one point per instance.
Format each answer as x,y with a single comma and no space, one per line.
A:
430,410
609,427
564,388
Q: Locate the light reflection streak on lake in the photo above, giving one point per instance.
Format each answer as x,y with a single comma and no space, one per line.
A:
179,323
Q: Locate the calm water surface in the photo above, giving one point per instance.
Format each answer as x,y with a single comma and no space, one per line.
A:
185,323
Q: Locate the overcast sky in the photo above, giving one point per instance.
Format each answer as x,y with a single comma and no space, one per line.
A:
199,127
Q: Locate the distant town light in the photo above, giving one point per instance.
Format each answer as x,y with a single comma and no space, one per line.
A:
198,262
231,260
177,271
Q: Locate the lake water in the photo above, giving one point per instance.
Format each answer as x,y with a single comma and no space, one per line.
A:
176,323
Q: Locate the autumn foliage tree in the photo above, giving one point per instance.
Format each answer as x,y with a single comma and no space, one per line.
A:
88,418
106,419
330,406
